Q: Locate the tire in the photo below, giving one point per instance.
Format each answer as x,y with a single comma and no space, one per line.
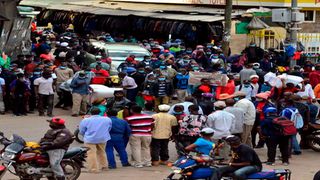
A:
317,176
71,169
314,143
78,136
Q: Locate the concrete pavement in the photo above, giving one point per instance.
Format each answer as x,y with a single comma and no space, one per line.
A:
33,127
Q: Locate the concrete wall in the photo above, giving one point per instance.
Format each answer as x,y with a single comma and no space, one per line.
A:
312,27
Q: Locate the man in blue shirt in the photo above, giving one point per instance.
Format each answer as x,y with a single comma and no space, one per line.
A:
181,82
95,131
120,133
203,144
80,90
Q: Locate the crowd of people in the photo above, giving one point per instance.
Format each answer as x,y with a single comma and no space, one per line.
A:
158,104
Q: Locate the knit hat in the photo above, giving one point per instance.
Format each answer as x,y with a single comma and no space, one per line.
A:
164,107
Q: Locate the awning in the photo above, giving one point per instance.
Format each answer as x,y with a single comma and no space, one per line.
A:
159,11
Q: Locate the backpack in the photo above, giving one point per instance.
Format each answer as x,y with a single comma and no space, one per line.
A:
294,115
284,127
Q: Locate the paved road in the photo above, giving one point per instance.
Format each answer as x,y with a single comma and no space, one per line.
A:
33,127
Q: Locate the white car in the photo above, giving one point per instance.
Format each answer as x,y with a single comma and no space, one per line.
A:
101,91
118,52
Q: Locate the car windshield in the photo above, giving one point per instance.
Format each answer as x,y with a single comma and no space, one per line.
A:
125,54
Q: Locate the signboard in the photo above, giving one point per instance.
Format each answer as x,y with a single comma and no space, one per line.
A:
215,78
208,2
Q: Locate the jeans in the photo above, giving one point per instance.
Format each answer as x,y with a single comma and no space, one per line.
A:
159,148
272,143
295,144
55,157
237,173
45,100
120,146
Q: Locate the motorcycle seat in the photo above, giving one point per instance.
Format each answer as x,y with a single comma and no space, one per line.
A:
315,126
72,152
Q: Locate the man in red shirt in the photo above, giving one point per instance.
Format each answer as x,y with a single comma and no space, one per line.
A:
101,75
315,76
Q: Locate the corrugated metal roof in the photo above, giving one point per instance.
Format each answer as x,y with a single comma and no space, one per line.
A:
160,11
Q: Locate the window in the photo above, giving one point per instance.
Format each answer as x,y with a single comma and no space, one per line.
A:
269,39
309,16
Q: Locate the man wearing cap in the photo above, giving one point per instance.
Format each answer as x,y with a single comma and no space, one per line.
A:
96,132
203,144
104,66
166,55
56,142
249,116
80,90
254,80
222,122
164,127
130,62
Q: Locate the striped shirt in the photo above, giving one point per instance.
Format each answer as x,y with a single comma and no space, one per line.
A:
141,125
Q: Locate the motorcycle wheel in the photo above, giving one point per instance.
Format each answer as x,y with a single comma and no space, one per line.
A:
314,143
78,136
71,170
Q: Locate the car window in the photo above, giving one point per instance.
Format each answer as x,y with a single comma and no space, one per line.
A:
126,54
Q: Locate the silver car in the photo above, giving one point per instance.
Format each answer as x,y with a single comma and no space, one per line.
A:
118,52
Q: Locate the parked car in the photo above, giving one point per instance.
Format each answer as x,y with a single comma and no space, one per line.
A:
118,52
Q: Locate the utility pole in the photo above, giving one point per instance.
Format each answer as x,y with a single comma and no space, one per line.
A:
294,28
227,27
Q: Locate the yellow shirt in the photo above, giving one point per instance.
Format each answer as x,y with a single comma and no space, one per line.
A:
163,123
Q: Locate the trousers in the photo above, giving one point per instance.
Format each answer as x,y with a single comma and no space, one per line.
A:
120,146
2,109
55,158
159,148
182,93
140,149
45,100
246,135
96,157
131,94
79,103
273,142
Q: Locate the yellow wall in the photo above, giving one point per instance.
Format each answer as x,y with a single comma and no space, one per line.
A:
278,3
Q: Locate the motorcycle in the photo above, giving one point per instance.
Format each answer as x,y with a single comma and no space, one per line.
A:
30,163
196,167
314,137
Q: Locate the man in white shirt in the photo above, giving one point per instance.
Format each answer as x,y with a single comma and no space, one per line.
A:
239,114
222,122
249,116
44,90
129,84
